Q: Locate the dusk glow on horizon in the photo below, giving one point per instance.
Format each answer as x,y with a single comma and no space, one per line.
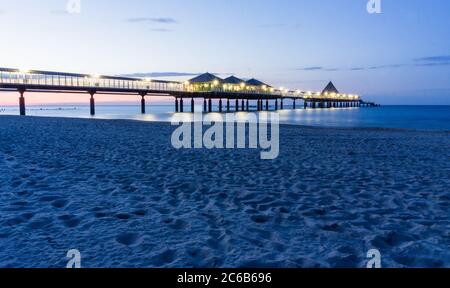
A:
399,56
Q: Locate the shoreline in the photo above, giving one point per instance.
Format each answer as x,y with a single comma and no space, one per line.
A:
281,124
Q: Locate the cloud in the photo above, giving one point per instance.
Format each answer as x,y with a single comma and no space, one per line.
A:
434,59
433,64
361,68
160,74
313,68
389,66
165,20
162,30
318,68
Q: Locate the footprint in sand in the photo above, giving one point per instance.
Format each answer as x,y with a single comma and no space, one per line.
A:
61,203
391,239
123,216
41,223
48,198
129,239
176,224
69,221
166,257
260,219
140,213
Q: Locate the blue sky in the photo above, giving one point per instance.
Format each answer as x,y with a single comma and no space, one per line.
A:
399,56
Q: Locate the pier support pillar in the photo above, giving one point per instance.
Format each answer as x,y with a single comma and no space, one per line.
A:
192,105
220,106
282,104
92,102
210,105
177,105
237,105
22,103
267,104
243,105
294,104
205,106
181,105
228,105
247,106
276,104
143,104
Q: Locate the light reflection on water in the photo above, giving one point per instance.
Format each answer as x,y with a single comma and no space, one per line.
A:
408,117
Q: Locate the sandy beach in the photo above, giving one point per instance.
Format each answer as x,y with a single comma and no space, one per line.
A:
118,192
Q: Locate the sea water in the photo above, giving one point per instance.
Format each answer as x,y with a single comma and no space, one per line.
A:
401,117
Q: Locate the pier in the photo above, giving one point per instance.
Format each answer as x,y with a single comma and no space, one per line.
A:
226,92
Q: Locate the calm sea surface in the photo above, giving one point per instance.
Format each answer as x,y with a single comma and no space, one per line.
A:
408,117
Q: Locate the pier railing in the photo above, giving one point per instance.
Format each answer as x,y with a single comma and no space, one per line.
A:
55,79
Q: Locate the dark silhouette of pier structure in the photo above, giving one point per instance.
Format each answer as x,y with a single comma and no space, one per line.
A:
232,94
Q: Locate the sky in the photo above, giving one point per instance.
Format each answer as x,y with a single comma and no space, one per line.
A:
398,56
